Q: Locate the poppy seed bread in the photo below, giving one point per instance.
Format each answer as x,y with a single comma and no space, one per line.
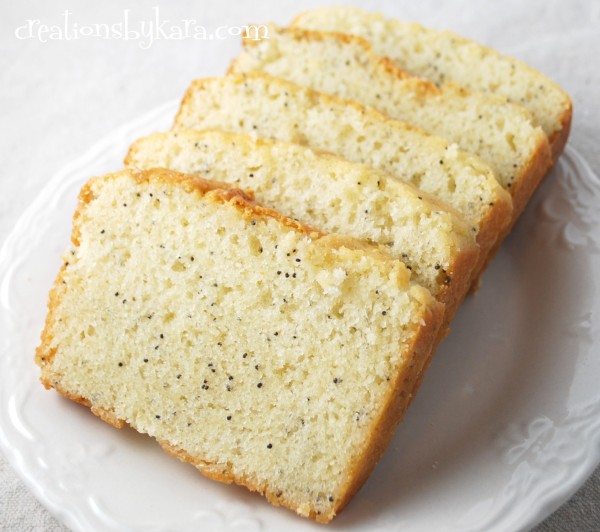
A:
333,194
501,133
273,108
442,56
260,350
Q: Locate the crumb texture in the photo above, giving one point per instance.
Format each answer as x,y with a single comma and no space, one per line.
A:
262,353
268,107
442,56
332,194
501,133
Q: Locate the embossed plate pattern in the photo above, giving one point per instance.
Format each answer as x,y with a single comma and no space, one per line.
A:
505,428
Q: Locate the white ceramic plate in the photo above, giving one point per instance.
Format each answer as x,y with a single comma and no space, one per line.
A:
505,428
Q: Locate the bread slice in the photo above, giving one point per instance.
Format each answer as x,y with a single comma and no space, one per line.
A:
262,351
442,56
273,108
500,133
332,194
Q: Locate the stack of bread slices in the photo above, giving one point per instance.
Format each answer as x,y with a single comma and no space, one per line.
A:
263,286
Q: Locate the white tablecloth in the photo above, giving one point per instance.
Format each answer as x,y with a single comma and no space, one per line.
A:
58,97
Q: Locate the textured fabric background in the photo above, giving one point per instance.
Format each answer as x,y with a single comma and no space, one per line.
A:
58,98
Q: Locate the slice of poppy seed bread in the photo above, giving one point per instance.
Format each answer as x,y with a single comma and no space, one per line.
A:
332,194
260,350
442,56
273,108
501,133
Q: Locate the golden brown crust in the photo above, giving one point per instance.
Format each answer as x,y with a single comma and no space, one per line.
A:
494,224
133,149
195,85
460,278
298,34
212,190
526,184
197,184
215,471
224,473
105,415
395,404
165,176
559,139
419,372
44,353
420,86
531,176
